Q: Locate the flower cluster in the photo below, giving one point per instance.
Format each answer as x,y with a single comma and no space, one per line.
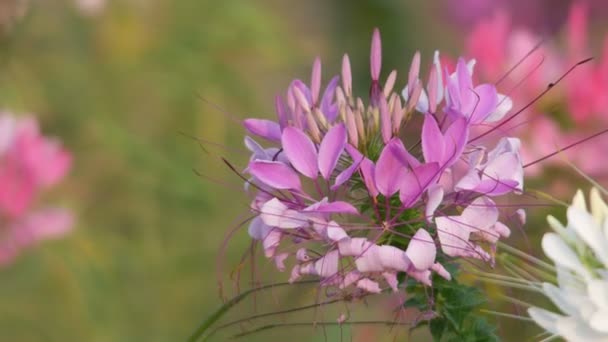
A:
29,164
527,64
580,254
340,195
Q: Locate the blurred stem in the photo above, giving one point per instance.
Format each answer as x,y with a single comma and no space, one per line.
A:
268,314
304,324
219,313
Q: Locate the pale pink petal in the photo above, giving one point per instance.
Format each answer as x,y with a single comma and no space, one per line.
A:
435,196
421,250
439,269
276,214
391,280
369,285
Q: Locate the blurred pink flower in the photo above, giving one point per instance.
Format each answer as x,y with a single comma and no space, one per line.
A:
29,164
513,57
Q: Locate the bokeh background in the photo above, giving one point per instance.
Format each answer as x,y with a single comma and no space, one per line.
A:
126,84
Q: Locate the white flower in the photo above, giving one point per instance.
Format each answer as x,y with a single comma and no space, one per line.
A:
580,254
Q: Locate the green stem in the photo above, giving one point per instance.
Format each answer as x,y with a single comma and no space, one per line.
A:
300,324
219,313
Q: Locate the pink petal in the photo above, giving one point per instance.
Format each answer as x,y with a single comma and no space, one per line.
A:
391,280
353,247
456,137
335,207
258,230
328,107
282,113
335,232
432,140
347,80
369,285
435,196
275,174
276,214
414,183
422,276
271,242
414,71
330,150
421,250
389,169
368,170
346,175
439,269
485,103
385,121
300,151
376,55
279,261
400,152
266,129
393,258
315,80
453,236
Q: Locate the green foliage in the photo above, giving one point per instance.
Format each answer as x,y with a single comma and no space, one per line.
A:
456,307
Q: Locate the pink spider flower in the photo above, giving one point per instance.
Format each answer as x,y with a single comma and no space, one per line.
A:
339,196
29,164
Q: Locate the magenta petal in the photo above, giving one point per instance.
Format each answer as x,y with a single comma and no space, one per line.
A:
330,150
328,107
399,152
300,151
414,184
389,170
455,140
432,140
368,170
281,109
275,174
421,250
345,175
266,129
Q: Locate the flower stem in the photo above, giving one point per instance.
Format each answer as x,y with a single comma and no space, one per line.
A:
219,313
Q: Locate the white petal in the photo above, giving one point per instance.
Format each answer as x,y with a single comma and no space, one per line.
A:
557,250
590,232
547,320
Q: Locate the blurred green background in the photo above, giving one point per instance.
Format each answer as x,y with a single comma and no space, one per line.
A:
123,88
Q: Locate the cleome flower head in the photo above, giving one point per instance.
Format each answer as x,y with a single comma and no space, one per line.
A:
336,193
580,253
